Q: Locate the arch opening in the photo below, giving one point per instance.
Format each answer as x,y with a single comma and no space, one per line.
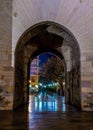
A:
47,37
46,71
47,83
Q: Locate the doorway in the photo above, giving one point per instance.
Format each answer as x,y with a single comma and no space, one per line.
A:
47,37
47,83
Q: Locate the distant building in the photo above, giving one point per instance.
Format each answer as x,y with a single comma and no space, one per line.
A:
34,71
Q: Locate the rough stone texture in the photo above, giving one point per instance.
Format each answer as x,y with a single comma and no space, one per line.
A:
77,17
6,93
43,40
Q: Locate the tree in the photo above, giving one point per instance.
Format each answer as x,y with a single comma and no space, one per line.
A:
52,70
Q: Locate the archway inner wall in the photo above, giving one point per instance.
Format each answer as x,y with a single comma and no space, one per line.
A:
27,44
70,19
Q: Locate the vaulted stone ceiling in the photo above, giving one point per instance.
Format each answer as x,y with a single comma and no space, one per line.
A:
16,16
76,15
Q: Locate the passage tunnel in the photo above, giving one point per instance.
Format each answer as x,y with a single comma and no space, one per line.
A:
47,37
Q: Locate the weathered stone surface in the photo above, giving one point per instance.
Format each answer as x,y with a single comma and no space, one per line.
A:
16,16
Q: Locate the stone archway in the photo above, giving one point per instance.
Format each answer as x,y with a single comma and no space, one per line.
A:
47,36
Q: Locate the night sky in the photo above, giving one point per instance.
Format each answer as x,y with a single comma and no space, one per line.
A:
44,57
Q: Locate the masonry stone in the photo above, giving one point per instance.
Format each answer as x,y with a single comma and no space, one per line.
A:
18,16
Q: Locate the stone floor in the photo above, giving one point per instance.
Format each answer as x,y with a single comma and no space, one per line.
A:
46,112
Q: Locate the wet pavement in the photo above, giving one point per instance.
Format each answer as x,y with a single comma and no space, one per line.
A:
46,111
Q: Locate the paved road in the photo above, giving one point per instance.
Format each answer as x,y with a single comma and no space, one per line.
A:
46,112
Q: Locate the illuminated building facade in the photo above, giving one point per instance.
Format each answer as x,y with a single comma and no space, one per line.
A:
34,70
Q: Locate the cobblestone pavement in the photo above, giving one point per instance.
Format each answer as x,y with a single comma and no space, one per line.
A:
46,112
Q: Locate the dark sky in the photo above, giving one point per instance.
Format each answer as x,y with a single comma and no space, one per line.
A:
44,57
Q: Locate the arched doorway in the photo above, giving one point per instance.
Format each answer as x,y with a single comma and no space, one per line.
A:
47,37
46,68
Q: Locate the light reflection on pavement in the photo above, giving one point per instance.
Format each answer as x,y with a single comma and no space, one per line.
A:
45,101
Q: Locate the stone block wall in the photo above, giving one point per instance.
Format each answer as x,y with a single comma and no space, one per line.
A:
87,85
6,71
14,21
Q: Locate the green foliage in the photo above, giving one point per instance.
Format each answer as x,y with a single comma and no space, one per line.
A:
52,70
